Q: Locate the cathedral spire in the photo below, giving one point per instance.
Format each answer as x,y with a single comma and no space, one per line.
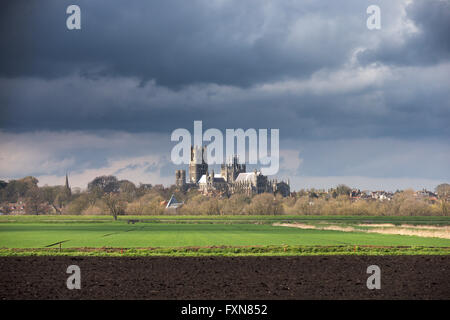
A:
67,187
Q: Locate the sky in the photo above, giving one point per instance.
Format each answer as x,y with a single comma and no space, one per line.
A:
367,108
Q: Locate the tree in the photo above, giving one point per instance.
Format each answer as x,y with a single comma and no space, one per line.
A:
211,207
142,189
443,191
106,184
313,194
3,184
265,203
94,194
77,205
57,197
154,207
115,204
34,201
136,208
236,204
343,190
128,190
16,189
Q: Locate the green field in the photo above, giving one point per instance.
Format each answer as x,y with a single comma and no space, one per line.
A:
101,232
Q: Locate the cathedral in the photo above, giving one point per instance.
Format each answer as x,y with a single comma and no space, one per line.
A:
233,178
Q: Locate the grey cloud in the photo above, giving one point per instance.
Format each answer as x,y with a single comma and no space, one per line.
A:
155,67
378,158
179,43
430,44
46,152
408,103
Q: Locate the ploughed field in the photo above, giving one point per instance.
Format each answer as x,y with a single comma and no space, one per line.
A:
310,277
101,232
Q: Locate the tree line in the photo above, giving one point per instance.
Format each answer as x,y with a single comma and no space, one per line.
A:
107,195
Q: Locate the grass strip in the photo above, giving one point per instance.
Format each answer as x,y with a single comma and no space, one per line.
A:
233,251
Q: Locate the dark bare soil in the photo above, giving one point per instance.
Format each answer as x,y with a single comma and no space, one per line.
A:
324,277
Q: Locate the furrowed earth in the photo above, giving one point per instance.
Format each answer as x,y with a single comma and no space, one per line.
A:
310,277
264,257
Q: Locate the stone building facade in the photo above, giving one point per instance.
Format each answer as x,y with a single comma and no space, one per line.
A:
232,179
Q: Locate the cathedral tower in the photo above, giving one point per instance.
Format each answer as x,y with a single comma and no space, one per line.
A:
180,178
197,165
231,170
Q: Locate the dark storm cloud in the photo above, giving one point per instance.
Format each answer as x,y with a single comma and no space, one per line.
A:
179,42
153,66
429,44
401,106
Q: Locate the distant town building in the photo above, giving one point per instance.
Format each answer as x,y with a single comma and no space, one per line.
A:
173,204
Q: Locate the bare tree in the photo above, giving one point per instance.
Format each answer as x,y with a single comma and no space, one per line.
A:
115,205
34,201
443,191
